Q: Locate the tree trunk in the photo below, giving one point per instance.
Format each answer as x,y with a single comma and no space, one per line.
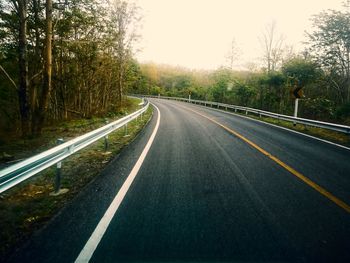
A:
120,87
37,56
23,68
45,94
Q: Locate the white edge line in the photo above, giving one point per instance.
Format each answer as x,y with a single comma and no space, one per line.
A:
91,245
274,125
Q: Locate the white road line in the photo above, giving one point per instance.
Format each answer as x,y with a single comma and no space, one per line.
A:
91,245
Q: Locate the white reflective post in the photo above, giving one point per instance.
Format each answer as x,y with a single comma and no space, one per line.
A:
296,110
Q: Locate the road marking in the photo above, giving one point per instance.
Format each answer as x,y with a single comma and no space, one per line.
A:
303,178
274,125
281,127
91,245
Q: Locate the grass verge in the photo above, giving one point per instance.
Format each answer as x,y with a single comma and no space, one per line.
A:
332,136
27,207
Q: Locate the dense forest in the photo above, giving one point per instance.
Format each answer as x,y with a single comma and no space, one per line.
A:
61,59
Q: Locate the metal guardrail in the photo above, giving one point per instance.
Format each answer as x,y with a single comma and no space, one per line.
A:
23,170
308,122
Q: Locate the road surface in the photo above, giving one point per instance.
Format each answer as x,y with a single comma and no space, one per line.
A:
212,187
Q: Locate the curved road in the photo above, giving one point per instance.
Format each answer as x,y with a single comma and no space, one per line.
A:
212,187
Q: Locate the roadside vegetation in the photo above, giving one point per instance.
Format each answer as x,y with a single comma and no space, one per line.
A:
322,71
28,206
63,60
65,67
332,136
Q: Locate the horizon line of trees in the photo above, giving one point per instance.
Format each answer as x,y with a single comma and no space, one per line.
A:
264,90
322,70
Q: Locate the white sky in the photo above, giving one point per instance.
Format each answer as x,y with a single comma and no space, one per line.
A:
197,34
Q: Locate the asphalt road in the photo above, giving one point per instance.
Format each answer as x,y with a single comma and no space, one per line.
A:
203,194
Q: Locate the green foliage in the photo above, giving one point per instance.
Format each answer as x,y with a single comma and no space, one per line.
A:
244,94
323,72
329,45
303,71
92,62
343,113
223,82
156,90
318,108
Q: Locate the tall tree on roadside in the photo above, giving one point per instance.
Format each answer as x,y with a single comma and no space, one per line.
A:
124,18
330,46
273,47
41,111
21,9
233,54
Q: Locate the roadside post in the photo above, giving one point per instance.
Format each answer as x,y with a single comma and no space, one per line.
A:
126,129
106,139
297,93
141,105
296,104
57,187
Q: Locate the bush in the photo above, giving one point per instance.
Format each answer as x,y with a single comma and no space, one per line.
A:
319,108
343,113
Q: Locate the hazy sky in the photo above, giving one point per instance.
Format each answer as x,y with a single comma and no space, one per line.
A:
197,33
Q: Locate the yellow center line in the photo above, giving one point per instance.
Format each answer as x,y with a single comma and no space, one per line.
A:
303,178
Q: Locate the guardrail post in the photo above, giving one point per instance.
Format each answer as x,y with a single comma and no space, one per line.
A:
57,187
58,171
106,140
246,112
126,130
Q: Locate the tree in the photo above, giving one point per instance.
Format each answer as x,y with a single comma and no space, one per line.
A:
272,46
244,94
41,110
14,26
223,82
303,70
233,54
330,47
80,53
123,20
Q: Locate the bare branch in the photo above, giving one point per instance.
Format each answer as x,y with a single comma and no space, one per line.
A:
8,76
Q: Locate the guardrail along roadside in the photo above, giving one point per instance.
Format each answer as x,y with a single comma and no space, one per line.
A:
295,120
25,169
